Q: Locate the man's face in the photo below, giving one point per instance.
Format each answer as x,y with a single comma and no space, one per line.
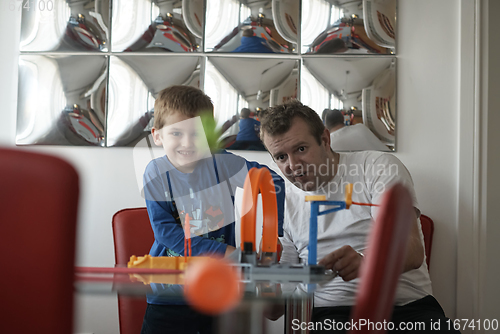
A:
300,158
183,141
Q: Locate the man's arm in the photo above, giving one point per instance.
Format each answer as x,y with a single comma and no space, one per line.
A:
346,261
414,248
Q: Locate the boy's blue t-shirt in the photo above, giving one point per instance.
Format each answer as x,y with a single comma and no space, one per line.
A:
253,44
248,130
207,194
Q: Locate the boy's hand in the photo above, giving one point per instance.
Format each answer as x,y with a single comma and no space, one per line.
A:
229,250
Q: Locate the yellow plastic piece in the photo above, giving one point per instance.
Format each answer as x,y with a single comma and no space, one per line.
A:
157,262
311,198
348,195
192,259
162,262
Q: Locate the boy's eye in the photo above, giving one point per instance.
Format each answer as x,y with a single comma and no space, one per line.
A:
302,149
176,134
280,157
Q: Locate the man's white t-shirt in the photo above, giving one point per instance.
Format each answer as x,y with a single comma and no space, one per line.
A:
371,173
356,138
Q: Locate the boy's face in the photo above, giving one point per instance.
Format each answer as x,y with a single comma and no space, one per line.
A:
183,141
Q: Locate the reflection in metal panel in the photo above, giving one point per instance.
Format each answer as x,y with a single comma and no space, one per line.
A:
62,100
366,86
134,82
157,26
349,27
254,80
252,26
66,26
329,54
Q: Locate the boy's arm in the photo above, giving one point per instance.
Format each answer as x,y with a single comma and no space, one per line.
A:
167,231
170,234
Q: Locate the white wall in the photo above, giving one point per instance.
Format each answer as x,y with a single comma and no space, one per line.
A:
428,103
427,121
489,306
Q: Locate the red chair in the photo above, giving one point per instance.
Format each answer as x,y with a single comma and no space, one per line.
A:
428,231
384,260
38,213
132,235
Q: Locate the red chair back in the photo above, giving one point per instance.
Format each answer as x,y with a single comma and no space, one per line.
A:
385,256
428,231
132,235
38,213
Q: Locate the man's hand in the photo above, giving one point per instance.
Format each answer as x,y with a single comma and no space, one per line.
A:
345,261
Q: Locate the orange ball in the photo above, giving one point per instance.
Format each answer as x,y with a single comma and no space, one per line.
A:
212,286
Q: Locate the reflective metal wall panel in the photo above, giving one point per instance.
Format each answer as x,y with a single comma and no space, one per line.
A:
134,82
252,26
348,27
65,25
235,83
62,100
365,86
90,70
157,25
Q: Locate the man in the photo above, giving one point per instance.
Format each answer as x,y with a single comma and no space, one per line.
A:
355,137
299,143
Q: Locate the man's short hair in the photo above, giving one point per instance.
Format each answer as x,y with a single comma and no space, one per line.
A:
334,118
323,114
278,120
187,100
245,113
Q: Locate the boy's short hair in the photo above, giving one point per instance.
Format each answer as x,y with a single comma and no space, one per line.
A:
334,118
245,113
278,120
247,32
187,100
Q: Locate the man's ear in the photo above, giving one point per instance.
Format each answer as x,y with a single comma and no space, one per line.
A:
325,138
156,136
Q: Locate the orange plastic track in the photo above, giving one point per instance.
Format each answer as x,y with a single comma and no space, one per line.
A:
259,180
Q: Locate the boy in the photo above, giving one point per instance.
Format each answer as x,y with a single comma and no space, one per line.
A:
248,134
190,179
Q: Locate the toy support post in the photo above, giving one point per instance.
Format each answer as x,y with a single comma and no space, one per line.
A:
316,201
313,234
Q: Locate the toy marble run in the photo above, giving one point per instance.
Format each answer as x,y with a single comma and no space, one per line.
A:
316,202
252,267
